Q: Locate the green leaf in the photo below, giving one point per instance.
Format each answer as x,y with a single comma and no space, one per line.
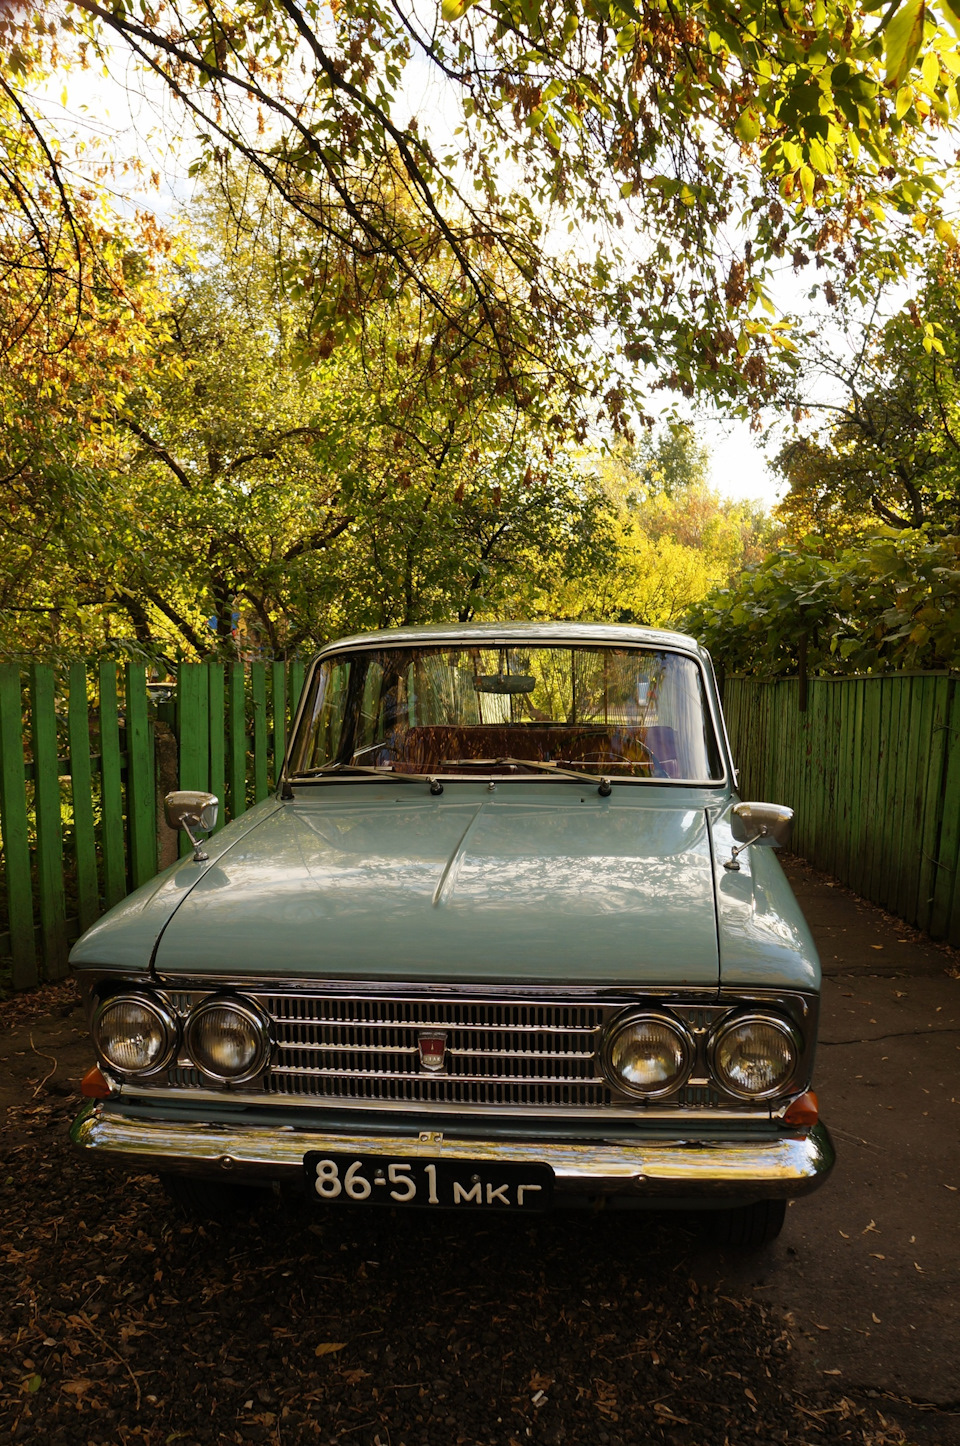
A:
454,9
747,126
902,39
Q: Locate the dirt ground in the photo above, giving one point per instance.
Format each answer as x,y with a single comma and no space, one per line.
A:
122,1322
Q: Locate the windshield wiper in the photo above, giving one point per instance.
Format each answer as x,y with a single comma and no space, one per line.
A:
550,768
330,770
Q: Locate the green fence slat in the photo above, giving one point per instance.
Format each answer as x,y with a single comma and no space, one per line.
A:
81,792
141,780
817,703
49,820
931,797
844,762
898,866
193,728
215,708
832,822
804,752
919,745
947,888
863,775
192,736
258,696
278,703
14,830
236,740
874,786
111,789
856,767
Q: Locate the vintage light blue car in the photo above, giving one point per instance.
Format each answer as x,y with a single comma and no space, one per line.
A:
505,937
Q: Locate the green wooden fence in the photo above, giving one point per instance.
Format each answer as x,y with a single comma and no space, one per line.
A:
872,769
86,754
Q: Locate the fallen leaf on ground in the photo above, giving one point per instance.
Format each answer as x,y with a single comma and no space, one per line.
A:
327,1348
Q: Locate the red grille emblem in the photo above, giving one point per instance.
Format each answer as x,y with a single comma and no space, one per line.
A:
433,1051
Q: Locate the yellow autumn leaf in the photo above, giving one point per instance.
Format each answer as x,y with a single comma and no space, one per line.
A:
327,1348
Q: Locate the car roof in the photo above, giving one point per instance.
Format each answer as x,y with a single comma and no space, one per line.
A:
521,632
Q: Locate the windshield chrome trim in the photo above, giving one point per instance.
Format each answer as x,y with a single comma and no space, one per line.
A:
304,780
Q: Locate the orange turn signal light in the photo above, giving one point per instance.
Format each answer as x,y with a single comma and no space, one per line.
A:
805,1110
93,1085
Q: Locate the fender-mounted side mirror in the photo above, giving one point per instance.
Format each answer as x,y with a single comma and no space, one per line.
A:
193,812
767,824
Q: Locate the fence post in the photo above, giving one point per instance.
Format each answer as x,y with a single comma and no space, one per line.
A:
13,820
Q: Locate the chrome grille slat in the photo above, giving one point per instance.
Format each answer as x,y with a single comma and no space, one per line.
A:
324,1072
498,1052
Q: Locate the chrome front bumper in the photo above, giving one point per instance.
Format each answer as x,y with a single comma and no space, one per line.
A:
692,1172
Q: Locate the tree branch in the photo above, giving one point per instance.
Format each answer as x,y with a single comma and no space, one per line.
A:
158,450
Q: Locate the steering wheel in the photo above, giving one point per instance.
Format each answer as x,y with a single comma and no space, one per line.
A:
656,767
390,749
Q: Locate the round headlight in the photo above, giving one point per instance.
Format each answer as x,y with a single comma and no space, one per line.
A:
648,1055
755,1057
134,1034
226,1039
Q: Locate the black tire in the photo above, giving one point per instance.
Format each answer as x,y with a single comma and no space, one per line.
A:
216,1200
748,1227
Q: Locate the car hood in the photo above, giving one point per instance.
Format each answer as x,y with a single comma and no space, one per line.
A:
502,888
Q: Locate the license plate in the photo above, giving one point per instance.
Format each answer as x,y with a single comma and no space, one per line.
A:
455,1184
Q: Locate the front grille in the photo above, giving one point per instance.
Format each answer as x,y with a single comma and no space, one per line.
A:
497,1053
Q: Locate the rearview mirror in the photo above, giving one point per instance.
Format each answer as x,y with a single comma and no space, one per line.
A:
504,683
194,812
767,824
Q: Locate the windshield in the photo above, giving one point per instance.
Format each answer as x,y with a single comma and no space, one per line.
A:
627,712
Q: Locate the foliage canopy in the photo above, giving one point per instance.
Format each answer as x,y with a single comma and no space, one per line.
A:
692,147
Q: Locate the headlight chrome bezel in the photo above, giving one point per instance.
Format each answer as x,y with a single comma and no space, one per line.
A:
737,1021
247,1011
630,1021
168,1022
